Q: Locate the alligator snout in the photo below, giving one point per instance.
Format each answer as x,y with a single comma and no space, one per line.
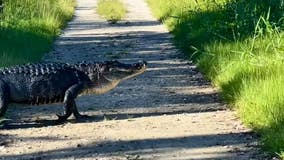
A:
140,65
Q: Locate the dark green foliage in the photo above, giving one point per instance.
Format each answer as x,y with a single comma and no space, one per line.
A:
28,27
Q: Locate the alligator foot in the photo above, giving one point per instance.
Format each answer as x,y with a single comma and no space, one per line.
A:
61,118
81,116
76,112
3,121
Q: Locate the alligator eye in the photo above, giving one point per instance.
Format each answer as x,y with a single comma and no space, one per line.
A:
110,69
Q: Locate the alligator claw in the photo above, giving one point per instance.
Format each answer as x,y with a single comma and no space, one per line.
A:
61,118
81,116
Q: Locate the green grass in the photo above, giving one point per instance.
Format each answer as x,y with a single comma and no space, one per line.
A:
28,28
239,45
111,10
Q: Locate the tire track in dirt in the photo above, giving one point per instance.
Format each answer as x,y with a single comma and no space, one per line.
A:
170,112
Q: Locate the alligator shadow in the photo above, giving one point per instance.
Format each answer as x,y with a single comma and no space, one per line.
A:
98,116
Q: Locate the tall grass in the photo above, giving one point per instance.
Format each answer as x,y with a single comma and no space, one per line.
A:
111,10
28,28
239,45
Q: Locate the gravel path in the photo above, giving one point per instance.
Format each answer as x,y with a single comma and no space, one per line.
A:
169,112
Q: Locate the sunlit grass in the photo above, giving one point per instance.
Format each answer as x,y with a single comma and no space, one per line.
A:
111,10
28,28
239,45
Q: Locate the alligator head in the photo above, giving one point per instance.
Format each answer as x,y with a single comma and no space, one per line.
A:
116,71
105,76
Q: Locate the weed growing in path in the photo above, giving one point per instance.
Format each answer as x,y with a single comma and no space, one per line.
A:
111,10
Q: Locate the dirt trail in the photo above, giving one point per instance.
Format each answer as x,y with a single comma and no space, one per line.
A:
170,112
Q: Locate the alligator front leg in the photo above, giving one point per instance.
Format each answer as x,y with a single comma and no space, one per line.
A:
67,113
69,99
3,98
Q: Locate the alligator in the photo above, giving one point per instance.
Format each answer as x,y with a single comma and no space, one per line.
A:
46,83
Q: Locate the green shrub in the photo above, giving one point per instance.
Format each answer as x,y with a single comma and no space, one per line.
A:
111,10
28,28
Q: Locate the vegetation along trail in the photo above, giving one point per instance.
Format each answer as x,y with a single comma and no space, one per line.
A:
169,112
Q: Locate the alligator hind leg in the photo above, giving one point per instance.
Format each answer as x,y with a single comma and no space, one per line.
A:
3,98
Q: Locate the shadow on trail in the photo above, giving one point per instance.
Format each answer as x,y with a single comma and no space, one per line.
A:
99,117
155,146
105,46
80,26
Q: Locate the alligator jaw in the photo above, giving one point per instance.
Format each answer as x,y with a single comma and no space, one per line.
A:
100,89
137,73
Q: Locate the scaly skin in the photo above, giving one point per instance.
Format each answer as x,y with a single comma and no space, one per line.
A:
46,83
